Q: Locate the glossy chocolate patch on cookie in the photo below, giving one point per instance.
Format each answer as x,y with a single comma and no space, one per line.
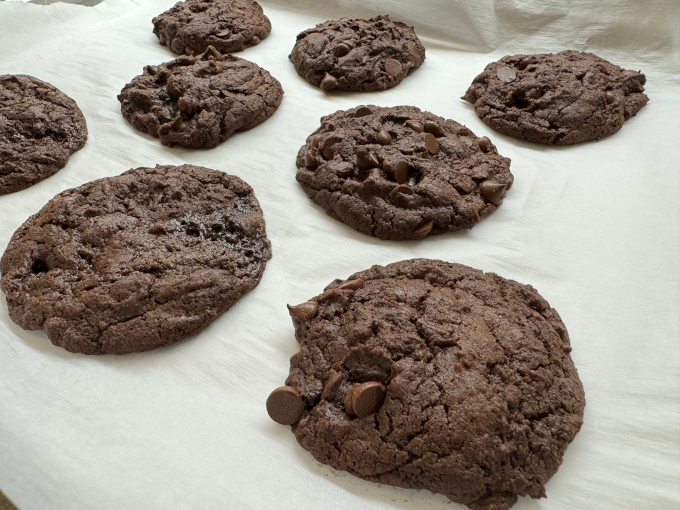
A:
357,54
40,127
198,102
437,376
401,173
556,99
229,26
138,261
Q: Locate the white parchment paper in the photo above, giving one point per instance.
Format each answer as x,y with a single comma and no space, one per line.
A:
595,228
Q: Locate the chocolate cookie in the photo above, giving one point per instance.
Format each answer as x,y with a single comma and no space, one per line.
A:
357,54
556,99
401,173
40,127
137,261
429,375
198,102
228,25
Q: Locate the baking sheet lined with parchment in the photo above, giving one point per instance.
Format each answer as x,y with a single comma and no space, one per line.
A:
595,228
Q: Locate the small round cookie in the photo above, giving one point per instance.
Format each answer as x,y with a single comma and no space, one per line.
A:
556,99
198,102
134,262
430,375
401,173
191,26
40,127
357,54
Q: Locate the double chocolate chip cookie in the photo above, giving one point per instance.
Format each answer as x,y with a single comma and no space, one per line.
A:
357,54
556,99
137,261
429,375
198,102
401,173
191,26
40,127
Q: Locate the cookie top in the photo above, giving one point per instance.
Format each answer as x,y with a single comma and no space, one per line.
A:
556,99
198,102
357,54
190,27
401,173
137,261
40,127
430,375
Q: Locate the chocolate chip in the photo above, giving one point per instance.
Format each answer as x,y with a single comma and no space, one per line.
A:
223,33
342,169
327,149
393,67
161,38
365,399
362,111
210,53
609,97
367,160
424,229
434,128
310,161
254,40
328,83
285,405
351,285
341,50
152,70
628,73
384,138
431,143
506,74
405,190
535,93
492,191
484,144
401,172
415,126
526,61
304,311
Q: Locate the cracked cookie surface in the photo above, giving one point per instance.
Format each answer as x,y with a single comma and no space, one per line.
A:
138,261
40,127
401,173
357,54
198,102
191,26
556,99
481,397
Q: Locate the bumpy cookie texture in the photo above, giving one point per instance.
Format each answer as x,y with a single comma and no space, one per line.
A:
137,261
481,395
357,54
198,102
556,99
401,173
190,27
40,127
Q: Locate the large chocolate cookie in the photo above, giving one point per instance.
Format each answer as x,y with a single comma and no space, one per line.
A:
40,127
401,173
198,102
357,54
229,25
135,262
559,99
430,375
